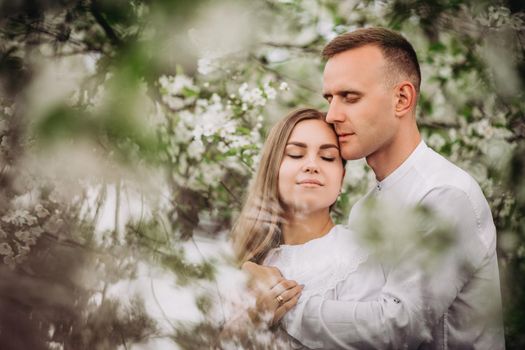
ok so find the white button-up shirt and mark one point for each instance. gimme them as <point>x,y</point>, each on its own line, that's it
<point>454,305</point>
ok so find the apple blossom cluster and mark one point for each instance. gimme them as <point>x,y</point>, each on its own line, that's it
<point>212,133</point>
<point>22,225</point>
<point>498,16</point>
<point>462,117</point>
<point>177,91</point>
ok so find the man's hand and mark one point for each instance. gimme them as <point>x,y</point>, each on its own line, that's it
<point>274,294</point>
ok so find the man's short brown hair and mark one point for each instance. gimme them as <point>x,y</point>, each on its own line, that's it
<point>397,51</point>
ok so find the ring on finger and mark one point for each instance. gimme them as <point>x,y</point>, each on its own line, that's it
<point>280,299</point>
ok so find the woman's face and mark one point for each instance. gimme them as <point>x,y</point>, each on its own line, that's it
<point>311,172</point>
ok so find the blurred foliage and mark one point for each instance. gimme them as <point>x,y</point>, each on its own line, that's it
<point>131,128</point>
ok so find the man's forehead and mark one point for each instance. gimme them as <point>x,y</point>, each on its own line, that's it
<point>365,52</point>
<point>353,65</point>
<point>366,56</point>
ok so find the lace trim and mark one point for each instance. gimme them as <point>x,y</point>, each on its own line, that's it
<point>331,278</point>
<point>321,267</point>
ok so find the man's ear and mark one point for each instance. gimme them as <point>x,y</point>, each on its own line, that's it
<point>405,98</point>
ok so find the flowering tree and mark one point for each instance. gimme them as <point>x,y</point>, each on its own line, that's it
<point>130,131</point>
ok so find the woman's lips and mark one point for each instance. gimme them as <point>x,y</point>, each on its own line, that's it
<point>310,183</point>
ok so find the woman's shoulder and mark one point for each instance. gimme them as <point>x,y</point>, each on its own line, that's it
<point>344,234</point>
<point>340,243</point>
<point>340,229</point>
<point>339,238</point>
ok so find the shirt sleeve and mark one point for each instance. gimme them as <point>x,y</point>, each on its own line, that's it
<point>419,287</point>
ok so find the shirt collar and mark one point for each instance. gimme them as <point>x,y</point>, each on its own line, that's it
<point>403,168</point>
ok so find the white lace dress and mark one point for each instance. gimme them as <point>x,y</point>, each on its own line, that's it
<point>334,267</point>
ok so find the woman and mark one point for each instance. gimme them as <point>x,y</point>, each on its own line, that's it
<point>286,223</point>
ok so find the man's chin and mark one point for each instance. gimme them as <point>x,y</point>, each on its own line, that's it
<point>350,155</point>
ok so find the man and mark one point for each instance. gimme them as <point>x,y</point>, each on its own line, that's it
<point>371,81</point>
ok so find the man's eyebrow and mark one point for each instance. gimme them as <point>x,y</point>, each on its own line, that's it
<point>303,145</point>
<point>343,93</point>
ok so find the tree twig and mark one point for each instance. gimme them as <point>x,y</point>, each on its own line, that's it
<point>112,35</point>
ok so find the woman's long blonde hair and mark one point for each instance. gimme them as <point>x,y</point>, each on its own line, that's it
<point>259,226</point>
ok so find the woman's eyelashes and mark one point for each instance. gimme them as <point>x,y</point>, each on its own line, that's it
<point>295,156</point>
<point>299,156</point>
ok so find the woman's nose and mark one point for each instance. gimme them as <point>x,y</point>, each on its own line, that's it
<point>311,166</point>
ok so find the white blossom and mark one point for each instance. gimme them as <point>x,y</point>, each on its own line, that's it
<point>19,217</point>
<point>176,84</point>
<point>221,147</point>
<point>5,249</point>
<point>8,111</point>
<point>436,141</point>
<point>205,66</point>
<point>253,97</point>
<point>325,28</point>
<point>41,212</point>
<point>284,86</point>
<point>484,128</point>
<point>195,149</point>
<point>173,90</point>
<point>25,237</point>
<point>270,92</point>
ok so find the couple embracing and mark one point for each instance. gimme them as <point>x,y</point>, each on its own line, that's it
<point>318,282</point>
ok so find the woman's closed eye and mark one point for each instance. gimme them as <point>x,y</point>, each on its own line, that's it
<point>328,155</point>
<point>327,158</point>
<point>294,155</point>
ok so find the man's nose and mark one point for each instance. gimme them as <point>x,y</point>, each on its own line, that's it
<point>335,113</point>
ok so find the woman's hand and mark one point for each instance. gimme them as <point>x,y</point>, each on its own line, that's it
<point>274,294</point>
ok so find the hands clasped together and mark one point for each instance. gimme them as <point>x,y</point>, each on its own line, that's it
<point>274,294</point>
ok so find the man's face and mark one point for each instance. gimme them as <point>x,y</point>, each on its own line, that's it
<point>361,101</point>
